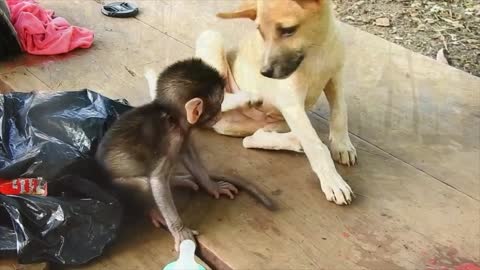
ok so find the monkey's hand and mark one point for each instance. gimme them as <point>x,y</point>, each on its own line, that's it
<point>223,188</point>
<point>183,234</point>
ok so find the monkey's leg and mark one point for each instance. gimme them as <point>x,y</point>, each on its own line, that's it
<point>184,181</point>
<point>160,186</point>
<point>137,190</point>
<point>192,162</point>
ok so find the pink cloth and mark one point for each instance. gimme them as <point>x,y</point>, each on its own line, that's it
<point>41,33</point>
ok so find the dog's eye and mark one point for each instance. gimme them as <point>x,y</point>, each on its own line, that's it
<point>287,31</point>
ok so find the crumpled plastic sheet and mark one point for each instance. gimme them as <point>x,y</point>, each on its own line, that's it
<point>54,136</point>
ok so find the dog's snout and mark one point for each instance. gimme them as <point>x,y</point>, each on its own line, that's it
<point>283,65</point>
<point>267,71</point>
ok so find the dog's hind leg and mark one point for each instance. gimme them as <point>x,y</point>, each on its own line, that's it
<point>279,126</point>
<point>271,140</point>
<point>341,147</point>
<point>235,124</point>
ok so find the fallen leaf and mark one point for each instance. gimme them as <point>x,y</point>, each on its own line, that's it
<point>359,3</point>
<point>441,57</point>
<point>385,22</point>
<point>454,23</point>
<point>436,9</point>
<point>421,27</point>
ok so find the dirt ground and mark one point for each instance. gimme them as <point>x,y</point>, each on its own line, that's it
<point>423,26</point>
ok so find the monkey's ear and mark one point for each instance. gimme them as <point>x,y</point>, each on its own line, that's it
<point>194,108</point>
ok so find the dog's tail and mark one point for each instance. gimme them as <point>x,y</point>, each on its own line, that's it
<point>151,77</point>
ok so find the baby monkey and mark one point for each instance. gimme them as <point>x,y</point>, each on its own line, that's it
<point>141,150</point>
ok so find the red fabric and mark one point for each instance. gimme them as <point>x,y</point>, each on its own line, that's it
<point>41,33</point>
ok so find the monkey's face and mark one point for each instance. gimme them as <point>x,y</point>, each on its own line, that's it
<point>212,114</point>
<point>212,121</point>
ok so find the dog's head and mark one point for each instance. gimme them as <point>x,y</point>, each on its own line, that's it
<point>288,29</point>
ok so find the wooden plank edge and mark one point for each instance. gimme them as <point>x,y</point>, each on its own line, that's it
<point>211,259</point>
<point>5,87</point>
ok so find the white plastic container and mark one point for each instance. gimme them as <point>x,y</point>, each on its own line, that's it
<point>186,258</point>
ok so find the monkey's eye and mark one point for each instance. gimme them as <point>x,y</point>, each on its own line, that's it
<point>287,31</point>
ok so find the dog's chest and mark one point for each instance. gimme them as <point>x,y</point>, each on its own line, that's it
<point>315,75</point>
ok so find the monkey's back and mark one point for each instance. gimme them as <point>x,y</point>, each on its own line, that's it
<point>136,141</point>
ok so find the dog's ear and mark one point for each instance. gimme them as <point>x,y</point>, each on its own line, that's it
<point>247,9</point>
<point>310,4</point>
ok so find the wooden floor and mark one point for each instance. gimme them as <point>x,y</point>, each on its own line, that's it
<point>415,123</point>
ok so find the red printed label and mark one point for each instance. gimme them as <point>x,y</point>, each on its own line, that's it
<point>33,186</point>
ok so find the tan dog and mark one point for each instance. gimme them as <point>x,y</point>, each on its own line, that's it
<point>282,69</point>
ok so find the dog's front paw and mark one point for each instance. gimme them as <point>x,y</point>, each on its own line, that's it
<point>343,151</point>
<point>336,189</point>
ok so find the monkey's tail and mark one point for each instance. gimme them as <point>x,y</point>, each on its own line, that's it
<point>151,77</point>
<point>250,188</point>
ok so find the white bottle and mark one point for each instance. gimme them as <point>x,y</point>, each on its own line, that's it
<point>186,259</point>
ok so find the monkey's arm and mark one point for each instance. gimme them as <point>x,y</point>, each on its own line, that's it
<point>194,165</point>
<point>160,185</point>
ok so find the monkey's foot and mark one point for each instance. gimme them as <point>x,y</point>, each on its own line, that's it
<point>156,217</point>
<point>183,234</point>
<point>224,188</point>
<point>185,181</point>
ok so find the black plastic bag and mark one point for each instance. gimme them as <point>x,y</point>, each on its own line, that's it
<point>54,136</point>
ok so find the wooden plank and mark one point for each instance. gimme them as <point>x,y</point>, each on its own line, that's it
<point>425,113</point>
<point>402,219</point>
<point>20,78</point>
<point>11,264</point>
<point>164,16</point>
<point>141,246</point>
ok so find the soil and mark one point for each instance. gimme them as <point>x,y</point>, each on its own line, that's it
<point>447,30</point>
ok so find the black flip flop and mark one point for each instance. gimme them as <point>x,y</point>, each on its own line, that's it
<point>120,10</point>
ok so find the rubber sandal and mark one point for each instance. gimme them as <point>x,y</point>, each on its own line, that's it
<point>120,10</point>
